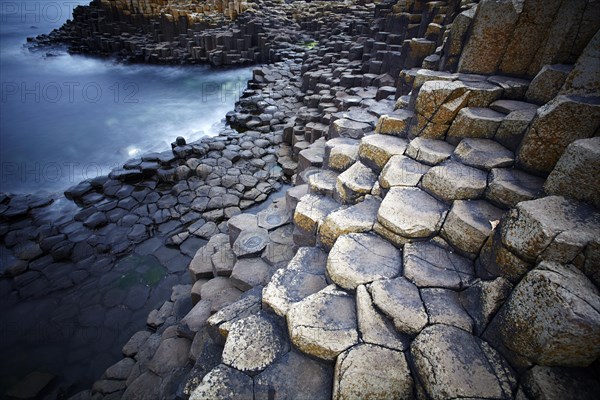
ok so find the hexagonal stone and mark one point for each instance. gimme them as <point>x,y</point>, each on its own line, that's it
<point>444,307</point>
<point>580,160</point>
<point>411,212</point>
<point>223,319</point>
<point>255,342</point>
<point>429,151</point>
<point>250,272</point>
<point>194,320</point>
<point>359,258</point>
<point>292,374</point>
<point>201,265</point>
<point>341,156</point>
<point>311,210</point>
<point>283,235</point>
<point>553,226</point>
<point>429,265</point>
<point>272,218</point>
<point>221,382</point>
<point>304,276</point>
<point>455,181</point>
<point>376,150</point>
<point>400,300</point>
<point>323,182</point>
<point>474,122</point>
<point>469,223</point>
<point>395,124</point>
<point>355,182</point>
<point>293,196</point>
<point>512,129</point>
<point>223,260</point>
<point>464,367</point>
<point>172,353</point>
<point>220,292</point>
<point>402,171</point>
<point>324,324</point>
<point>238,223</point>
<point>507,187</point>
<point>552,317</point>
<point>251,242</point>
<point>483,153</point>
<point>483,299</point>
<point>278,254</point>
<point>367,371</point>
<point>347,128</point>
<point>357,218</point>
<point>374,327</point>
<point>311,157</point>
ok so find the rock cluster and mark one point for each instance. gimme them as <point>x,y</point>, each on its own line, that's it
<point>440,239</point>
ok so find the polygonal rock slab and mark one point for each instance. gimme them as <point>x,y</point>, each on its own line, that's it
<point>251,242</point>
<point>304,276</point>
<point>532,226</point>
<point>483,299</point>
<point>223,319</point>
<point>347,128</point>
<point>400,300</point>
<point>444,307</point>
<point>411,212</point>
<point>238,223</point>
<point>429,151</point>
<point>220,292</point>
<point>292,374</point>
<point>311,210</point>
<point>323,182</point>
<point>272,218</point>
<point>452,363</point>
<point>172,353</point>
<point>552,318</point>
<point>455,181</point>
<point>367,371</point>
<point>579,162</point>
<point>396,124</point>
<point>254,343</point>
<point>469,223</point>
<point>474,122</point>
<point>508,186</point>
<point>374,327</point>
<point>221,383</point>
<point>357,218</point>
<point>402,171</point>
<point>483,153</point>
<point>429,265</point>
<point>356,181</point>
<point>359,258</point>
<point>547,83</point>
<point>342,156</point>
<point>376,150</point>
<point>556,125</point>
<point>324,324</point>
<point>250,272</point>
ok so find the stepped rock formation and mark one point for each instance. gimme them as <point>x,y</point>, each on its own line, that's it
<point>442,236</point>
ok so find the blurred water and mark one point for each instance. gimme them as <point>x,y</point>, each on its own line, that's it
<point>66,118</point>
